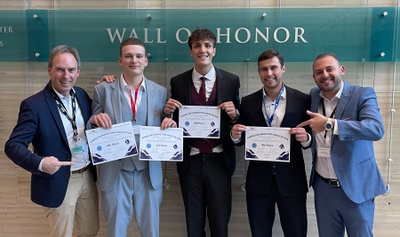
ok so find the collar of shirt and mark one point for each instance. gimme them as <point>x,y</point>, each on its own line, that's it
<point>127,90</point>
<point>337,96</point>
<point>66,101</point>
<point>279,113</point>
<point>330,105</point>
<point>124,85</point>
<point>268,99</point>
<point>62,96</point>
<point>210,76</point>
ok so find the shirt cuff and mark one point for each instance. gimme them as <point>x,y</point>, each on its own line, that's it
<point>308,142</point>
<point>235,140</point>
<point>40,168</point>
<point>235,119</point>
<point>335,128</point>
<point>166,115</point>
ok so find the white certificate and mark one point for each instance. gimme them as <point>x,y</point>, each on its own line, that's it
<point>267,144</point>
<point>107,145</point>
<point>200,121</point>
<point>161,145</point>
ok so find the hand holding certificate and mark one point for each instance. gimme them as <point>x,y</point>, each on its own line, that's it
<point>200,121</point>
<point>161,145</point>
<point>267,144</point>
<point>111,144</point>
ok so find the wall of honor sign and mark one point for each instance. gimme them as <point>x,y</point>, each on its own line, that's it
<point>362,34</point>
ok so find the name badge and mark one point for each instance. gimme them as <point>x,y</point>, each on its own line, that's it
<point>324,152</point>
<point>77,150</point>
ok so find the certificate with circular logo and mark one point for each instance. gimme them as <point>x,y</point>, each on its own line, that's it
<point>267,144</point>
<point>161,145</point>
<point>200,121</point>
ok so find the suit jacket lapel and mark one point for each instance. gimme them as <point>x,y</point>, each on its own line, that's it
<point>221,83</point>
<point>85,109</point>
<point>187,85</point>
<point>344,99</point>
<point>115,99</point>
<point>258,109</point>
<point>315,99</point>
<point>54,111</point>
<point>291,106</point>
<point>150,102</point>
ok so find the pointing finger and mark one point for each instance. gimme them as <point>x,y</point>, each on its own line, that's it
<point>305,123</point>
<point>311,114</point>
<point>65,163</point>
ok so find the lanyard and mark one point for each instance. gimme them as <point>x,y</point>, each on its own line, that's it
<point>323,109</point>
<point>278,98</point>
<point>133,102</point>
<point>65,112</point>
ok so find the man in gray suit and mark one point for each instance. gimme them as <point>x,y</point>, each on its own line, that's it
<point>130,185</point>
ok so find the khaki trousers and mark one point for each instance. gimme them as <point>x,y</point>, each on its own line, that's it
<point>80,205</point>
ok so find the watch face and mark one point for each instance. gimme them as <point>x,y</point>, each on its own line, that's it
<point>328,126</point>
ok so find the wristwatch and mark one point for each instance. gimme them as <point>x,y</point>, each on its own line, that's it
<point>328,125</point>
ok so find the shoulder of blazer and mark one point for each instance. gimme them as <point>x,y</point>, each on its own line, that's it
<point>183,75</point>
<point>224,74</point>
<point>154,85</point>
<point>296,92</point>
<point>257,95</point>
<point>81,92</point>
<point>108,86</point>
<point>47,91</point>
<point>315,92</point>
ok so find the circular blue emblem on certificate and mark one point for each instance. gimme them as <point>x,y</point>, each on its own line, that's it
<point>187,123</point>
<point>148,145</point>
<point>99,148</point>
<point>254,145</point>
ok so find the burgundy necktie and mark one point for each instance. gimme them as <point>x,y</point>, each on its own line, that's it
<point>204,145</point>
<point>202,91</point>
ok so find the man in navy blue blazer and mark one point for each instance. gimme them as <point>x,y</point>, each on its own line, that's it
<point>271,184</point>
<point>53,121</point>
<point>345,120</point>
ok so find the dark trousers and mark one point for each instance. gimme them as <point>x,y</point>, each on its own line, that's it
<point>292,213</point>
<point>206,191</point>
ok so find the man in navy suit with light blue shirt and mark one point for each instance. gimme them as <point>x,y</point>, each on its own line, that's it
<point>345,120</point>
<point>276,184</point>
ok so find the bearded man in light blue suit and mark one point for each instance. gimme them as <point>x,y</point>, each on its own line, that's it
<point>345,120</point>
<point>130,185</point>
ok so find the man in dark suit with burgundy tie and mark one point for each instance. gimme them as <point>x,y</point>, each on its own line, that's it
<point>208,164</point>
<point>270,184</point>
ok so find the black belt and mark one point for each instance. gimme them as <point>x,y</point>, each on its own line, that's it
<point>80,170</point>
<point>334,183</point>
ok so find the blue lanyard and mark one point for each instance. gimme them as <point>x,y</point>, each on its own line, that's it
<point>278,98</point>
